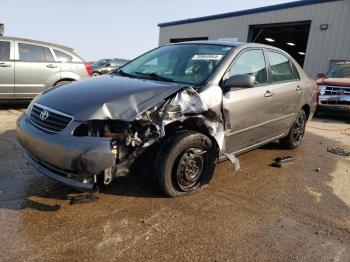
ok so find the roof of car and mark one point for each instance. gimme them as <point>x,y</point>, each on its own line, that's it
<point>229,43</point>
<point>35,42</point>
<point>212,42</point>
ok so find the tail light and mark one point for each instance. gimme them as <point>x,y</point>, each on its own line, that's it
<point>88,68</point>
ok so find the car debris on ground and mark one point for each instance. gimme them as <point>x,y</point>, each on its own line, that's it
<point>83,198</point>
<point>338,151</point>
<point>279,161</point>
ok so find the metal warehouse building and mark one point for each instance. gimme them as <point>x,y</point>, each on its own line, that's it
<point>315,33</point>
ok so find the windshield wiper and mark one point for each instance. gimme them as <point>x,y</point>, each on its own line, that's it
<point>155,76</point>
<point>122,73</point>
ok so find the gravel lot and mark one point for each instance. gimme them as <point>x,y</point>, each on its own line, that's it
<point>293,213</point>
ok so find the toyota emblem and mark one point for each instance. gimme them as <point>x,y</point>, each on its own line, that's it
<point>44,115</point>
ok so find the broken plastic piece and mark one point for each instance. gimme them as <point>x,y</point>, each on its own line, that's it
<point>234,161</point>
<point>83,198</point>
<point>338,151</point>
<point>278,161</point>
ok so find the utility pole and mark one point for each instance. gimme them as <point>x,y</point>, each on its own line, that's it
<point>2,29</point>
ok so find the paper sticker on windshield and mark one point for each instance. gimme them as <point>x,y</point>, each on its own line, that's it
<point>207,57</point>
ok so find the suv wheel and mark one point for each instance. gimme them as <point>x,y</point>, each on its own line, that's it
<point>61,83</point>
<point>296,133</point>
<point>185,163</point>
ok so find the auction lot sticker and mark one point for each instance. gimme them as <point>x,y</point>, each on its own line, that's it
<point>207,57</point>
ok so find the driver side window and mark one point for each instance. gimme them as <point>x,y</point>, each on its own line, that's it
<point>251,62</point>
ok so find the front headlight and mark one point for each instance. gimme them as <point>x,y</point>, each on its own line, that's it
<point>322,90</point>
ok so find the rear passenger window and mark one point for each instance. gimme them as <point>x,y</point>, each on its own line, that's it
<point>281,68</point>
<point>63,57</point>
<point>4,51</point>
<point>31,53</point>
<point>252,63</point>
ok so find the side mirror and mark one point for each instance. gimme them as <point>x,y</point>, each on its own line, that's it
<point>108,65</point>
<point>320,75</point>
<point>245,81</point>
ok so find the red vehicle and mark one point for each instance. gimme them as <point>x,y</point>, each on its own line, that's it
<point>334,88</point>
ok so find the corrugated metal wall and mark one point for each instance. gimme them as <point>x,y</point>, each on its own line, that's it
<point>323,46</point>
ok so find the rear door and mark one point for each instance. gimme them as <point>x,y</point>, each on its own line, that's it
<point>287,89</point>
<point>247,111</point>
<point>7,67</point>
<point>36,69</point>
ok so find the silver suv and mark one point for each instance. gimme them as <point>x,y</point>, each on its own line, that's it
<point>27,67</point>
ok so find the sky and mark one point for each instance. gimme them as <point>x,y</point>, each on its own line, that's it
<point>107,28</point>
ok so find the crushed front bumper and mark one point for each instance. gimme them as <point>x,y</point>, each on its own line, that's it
<point>69,159</point>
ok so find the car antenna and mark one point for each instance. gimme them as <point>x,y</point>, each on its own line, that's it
<point>258,35</point>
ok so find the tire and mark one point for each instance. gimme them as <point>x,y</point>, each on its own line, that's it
<point>95,74</point>
<point>61,83</point>
<point>185,163</point>
<point>296,132</point>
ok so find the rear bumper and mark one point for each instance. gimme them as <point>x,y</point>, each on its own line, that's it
<point>63,155</point>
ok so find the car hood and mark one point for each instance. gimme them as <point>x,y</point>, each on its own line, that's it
<point>334,81</point>
<point>108,97</point>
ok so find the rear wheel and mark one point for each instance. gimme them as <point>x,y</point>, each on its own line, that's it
<point>296,133</point>
<point>61,83</point>
<point>185,163</point>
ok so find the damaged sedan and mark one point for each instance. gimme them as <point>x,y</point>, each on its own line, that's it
<point>188,104</point>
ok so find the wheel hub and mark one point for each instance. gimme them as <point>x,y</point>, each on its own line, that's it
<point>299,129</point>
<point>190,167</point>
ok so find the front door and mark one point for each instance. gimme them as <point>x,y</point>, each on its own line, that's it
<point>248,112</point>
<point>7,73</point>
<point>36,70</point>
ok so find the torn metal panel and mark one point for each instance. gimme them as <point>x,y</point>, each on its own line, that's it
<point>205,104</point>
<point>233,160</point>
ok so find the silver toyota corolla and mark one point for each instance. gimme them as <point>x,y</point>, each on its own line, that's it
<point>186,105</point>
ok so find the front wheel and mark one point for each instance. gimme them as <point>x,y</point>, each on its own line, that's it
<point>95,74</point>
<point>296,132</point>
<point>185,163</point>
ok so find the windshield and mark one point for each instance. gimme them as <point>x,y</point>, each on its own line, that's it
<point>184,63</point>
<point>339,71</point>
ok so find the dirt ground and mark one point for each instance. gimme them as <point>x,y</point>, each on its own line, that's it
<point>263,213</point>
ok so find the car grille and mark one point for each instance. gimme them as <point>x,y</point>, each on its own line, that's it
<point>337,90</point>
<point>47,119</point>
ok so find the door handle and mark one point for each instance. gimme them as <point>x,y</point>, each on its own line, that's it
<point>5,65</point>
<point>268,93</point>
<point>299,89</point>
<point>51,66</point>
